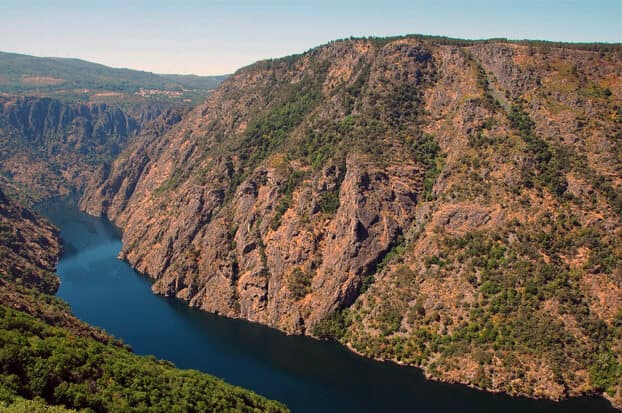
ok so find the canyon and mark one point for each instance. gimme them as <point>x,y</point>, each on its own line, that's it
<point>448,204</point>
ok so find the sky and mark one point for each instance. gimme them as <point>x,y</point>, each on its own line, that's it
<point>219,36</point>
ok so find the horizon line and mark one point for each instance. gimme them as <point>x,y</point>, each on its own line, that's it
<point>353,37</point>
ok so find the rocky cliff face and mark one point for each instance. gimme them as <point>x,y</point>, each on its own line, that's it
<point>29,247</point>
<point>50,147</point>
<point>453,205</point>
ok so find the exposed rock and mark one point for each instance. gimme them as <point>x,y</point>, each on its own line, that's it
<point>29,247</point>
<point>441,170</point>
<point>52,148</point>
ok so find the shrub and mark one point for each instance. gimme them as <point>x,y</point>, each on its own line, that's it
<point>299,283</point>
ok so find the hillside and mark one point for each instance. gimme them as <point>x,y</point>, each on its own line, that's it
<point>449,204</point>
<point>49,147</point>
<point>79,80</point>
<point>195,82</point>
<point>50,358</point>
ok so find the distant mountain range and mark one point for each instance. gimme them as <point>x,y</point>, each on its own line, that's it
<point>79,80</point>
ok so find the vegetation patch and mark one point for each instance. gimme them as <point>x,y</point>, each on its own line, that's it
<point>427,153</point>
<point>551,163</point>
<point>299,283</point>
<point>333,326</point>
<point>60,368</point>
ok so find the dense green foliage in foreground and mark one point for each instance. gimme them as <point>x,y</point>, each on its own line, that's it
<point>20,405</point>
<point>52,365</point>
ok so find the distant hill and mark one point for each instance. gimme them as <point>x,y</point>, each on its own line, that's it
<point>79,80</point>
<point>196,82</point>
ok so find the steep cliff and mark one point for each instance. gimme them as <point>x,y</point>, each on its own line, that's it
<point>29,247</point>
<point>450,204</point>
<point>49,147</point>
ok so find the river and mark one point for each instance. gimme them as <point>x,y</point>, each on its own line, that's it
<point>305,374</point>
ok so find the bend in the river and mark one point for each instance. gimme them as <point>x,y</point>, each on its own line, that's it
<point>306,374</point>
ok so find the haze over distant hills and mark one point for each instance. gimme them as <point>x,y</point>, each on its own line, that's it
<point>80,80</point>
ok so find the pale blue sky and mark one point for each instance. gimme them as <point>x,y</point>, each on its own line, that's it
<point>220,36</point>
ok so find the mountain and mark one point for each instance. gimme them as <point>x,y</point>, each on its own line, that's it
<point>196,82</point>
<point>79,80</point>
<point>50,147</point>
<point>454,205</point>
<point>49,359</point>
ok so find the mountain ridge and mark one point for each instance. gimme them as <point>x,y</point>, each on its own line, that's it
<point>81,80</point>
<point>51,148</point>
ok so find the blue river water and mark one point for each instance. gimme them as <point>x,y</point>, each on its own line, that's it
<point>305,374</point>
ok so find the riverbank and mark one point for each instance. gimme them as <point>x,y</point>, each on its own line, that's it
<point>306,374</point>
